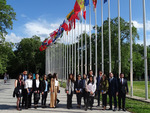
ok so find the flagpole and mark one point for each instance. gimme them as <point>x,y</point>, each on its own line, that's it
<point>81,48</point>
<point>109,36</point>
<point>65,57</point>
<point>95,43</point>
<point>119,48</point>
<point>102,36</point>
<point>85,48</point>
<point>70,53</point>
<point>72,50</point>
<point>75,53</point>
<point>90,34</point>
<point>78,50</point>
<point>46,61</point>
<point>131,60</point>
<point>145,51</point>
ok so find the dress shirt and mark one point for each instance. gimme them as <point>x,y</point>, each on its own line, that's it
<point>46,84</point>
<point>37,83</point>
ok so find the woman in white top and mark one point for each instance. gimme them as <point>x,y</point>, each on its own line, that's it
<point>28,86</point>
<point>91,88</point>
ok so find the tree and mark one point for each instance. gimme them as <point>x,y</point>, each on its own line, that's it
<point>28,57</point>
<point>125,46</point>
<point>7,15</point>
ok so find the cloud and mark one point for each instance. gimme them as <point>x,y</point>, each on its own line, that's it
<point>142,41</point>
<point>23,15</point>
<point>13,38</point>
<point>40,28</point>
<point>139,25</point>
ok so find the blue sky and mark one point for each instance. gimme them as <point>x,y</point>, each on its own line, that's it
<point>41,17</point>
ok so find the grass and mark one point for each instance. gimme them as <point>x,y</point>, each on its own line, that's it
<point>134,106</point>
<point>139,88</point>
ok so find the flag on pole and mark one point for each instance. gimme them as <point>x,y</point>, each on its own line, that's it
<point>84,13</point>
<point>105,1</point>
<point>86,2</point>
<point>94,3</point>
<point>79,5</point>
<point>65,25</point>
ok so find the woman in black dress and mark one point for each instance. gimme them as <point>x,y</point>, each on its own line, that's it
<point>18,90</point>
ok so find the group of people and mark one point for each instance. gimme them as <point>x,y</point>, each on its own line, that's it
<point>89,86</point>
<point>25,86</point>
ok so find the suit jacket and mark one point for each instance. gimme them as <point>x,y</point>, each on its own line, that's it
<point>34,85</point>
<point>113,86</point>
<point>98,79</point>
<point>123,87</point>
<point>79,86</point>
<point>43,86</point>
<point>70,87</point>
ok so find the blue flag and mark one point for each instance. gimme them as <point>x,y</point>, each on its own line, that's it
<point>86,2</point>
<point>105,1</point>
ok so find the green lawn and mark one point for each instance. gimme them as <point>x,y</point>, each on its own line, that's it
<point>139,88</point>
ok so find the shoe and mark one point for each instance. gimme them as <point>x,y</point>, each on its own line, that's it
<point>91,108</point>
<point>119,109</point>
<point>58,101</point>
<point>85,109</point>
<point>114,109</point>
<point>124,109</point>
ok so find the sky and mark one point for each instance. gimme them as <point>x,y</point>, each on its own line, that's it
<point>41,17</point>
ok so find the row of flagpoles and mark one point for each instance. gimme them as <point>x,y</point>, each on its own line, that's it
<point>70,24</point>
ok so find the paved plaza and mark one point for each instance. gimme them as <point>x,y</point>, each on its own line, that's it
<point>8,103</point>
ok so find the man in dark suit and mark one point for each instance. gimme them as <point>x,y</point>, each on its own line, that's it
<point>44,90</point>
<point>123,90</point>
<point>36,90</point>
<point>98,86</point>
<point>113,91</point>
<point>78,90</point>
<point>24,91</point>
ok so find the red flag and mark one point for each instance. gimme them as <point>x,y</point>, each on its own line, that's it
<point>84,13</point>
<point>94,3</point>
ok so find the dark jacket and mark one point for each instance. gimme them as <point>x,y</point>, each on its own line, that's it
<point>98,79</point>
<point>43,86</point>
<point>34,85</point>
<point>113,86</point>
<point>78,86</point>
<point>123,87</point>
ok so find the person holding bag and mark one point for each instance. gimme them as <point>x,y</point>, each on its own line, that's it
<point>36,90</point>
<point>18,90</point>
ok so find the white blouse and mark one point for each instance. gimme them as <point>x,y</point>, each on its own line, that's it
<point>28,83</point>
<point>56,83</point>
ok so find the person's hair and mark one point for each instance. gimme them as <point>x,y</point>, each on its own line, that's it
<point>70,78</point>
<point>105,76</point>
<point>92,79</point>
<point>85,75</point>
<point>55,76</point>
<point>30,74</point>
<point>121,73</point>
<point>44,75</point>
<point>18,77</point>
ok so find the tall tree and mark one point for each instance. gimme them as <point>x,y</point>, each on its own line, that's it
<point>7,15</point>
